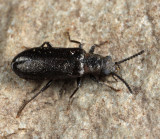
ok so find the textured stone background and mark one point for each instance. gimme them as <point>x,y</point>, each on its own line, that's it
<point>97,112</point>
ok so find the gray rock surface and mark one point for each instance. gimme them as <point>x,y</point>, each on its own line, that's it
<point>97,111</point>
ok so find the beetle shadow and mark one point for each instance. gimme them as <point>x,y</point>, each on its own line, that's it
<point>67,87</point>
<point>6,74</point>
<point>59,87</point>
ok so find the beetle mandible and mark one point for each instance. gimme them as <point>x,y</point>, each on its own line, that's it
<point>47,62</point>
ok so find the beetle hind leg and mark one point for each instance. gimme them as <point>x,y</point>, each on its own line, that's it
<point>26,102</point>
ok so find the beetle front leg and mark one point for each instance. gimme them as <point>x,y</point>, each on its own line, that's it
<point>103,83</point>
<point>91,51</point>
<point>78,86</point>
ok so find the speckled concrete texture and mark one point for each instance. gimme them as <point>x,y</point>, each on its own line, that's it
<point>97,112</point>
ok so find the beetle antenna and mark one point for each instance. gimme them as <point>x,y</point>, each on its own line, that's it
<point>126,59</point>
<point>127,85</point>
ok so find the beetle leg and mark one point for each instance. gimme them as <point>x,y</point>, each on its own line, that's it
<point>114,78</point>
<point>81,45</point>
<point>46,43</point>
<point>74,41</point>
<point>78,86</point>
<point>26,102</point>
<point>102,83</point>
<point>91,51</point>
<point>93,78</point>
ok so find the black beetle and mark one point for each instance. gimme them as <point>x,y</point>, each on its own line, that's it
<point>47,62</point>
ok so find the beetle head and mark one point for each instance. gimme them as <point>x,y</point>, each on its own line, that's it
<point>113,68</point>
<point>109,66</point>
